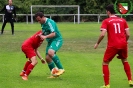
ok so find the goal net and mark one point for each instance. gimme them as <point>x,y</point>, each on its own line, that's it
<point>62,11</point>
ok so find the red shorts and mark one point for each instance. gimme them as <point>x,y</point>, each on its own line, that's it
<point>111,52</point>
<point>28,51</point>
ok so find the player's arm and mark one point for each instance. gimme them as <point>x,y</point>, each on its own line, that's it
<point>127,33</point>
<point>39,56</point>
<point>14,11</point>
<point>51,35</point>
<point>102,34</point>
<point>52,30</point>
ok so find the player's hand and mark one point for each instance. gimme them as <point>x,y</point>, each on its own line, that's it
<point>38,35</point>
<point>95,46</point>
<point>43,61</point>
<point>42,36</point>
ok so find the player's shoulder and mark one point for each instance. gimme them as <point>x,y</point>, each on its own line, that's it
<point>120,19</point>
<point>105,20</point>
<point>111,19</point>
<point>123,19</point>
<point>49,20</point>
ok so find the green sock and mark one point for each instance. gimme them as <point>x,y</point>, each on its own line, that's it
<point>51,65</point>
<point>57,61</point>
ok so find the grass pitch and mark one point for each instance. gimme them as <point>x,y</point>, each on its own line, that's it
<point>82,63</point>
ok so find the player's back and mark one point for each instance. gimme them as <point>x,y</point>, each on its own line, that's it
<point>35,41</point>
<point>116,32</point>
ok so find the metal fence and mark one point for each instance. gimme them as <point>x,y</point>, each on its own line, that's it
<point>75,16</point>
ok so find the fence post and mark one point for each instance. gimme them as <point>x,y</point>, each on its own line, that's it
<point>27,18</point>
<point>74,19</point>
<point>98,18</point>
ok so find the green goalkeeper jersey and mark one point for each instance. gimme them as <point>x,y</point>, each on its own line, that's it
<point>50,26</point>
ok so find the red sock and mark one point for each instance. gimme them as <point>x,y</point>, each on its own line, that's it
<point>106,74</point>
<point>29,69</point>
<point>127,70</point>
<point>26,65</point>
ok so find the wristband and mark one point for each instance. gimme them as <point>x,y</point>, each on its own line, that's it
<point>41,58</point>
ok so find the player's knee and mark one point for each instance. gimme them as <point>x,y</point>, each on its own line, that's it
<point>124,60</point>
<point>51,53</point>
<point>48,59</point>
<point>105,62</point>
<point>34,62</point>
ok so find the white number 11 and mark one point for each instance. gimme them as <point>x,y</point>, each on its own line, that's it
<point>117,27</point>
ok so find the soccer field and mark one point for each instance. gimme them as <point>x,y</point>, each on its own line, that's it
<point>82,63</point>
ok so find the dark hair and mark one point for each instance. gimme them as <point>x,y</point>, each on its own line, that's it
<point>110,8</point>
<point>40,14</point>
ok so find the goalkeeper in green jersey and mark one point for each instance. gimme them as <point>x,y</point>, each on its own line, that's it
<point>55,41</point>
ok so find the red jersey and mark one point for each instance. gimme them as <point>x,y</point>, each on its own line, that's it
<point>35,41</point>
<point>115,27</point>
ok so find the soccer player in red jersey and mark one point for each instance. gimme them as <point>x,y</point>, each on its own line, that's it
<point>30,49</point>
<point>118,34</point>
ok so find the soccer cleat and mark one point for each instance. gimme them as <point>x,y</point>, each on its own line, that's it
<point>52,77</point>
<point>60,72</point>
<point>107,86</point>
<point>22,74</point>
<point>130,83</point>
<point>25,77</point>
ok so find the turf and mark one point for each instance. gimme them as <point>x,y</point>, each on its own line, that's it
<point>82,63</point>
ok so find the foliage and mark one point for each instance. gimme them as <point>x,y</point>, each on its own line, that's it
<point>86,6</point>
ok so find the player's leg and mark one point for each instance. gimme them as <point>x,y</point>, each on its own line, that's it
<point>50,62</point>
<point>30,68</point>
<point>123,56</point>
<point>106,73</point>
<point>57,62</point>
<point>32,65</point>
<point>51,65</point>
<point>108,56</point>
<point>26,51</point>
<point>28,62</point>
<point>54,47</point>
<point>3,26</point>
<point>127,71</point>
<point>51,59</point>
<point>30,53</point>
<point>12,25</point>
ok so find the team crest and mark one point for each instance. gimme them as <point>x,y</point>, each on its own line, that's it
<point>123,7</point>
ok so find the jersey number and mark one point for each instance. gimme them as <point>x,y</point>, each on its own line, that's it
<point>117,27</point>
